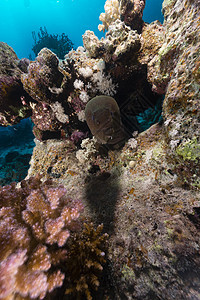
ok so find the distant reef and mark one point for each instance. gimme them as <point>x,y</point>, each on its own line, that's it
<point>145,191</point>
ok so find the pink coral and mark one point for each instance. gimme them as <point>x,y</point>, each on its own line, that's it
<point>32,218</point>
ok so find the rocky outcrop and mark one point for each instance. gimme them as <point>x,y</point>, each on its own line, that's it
<point>12,93</point>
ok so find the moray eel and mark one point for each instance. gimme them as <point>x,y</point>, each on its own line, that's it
<point>103,119</point>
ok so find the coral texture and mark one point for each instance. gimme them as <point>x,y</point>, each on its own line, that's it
<point>45,81</point>
<point>131,13</point>
<point>59,91</point>
<point>147,193</point>
<point>35,223</point>
<point>111,14</point>
<point>11,90</point>
<point>152,219</point>
<point>85,260</point>
<point>180,57</point>
<point>119,40</point>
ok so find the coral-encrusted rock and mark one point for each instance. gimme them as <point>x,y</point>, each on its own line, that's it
<point>9,61</point>
<point>45,81</point>
<point>121,42</point>
<point>91,43</point>
<point>172,55</point>
<point>11,89</point>
<point>131,13</point>
<point>152,39</point>
<point>44,118</point>
<point>110,15</point>
<point>152,220</point>
<point>180,60</point>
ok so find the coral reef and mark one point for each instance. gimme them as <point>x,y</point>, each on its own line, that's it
<point>152,38</point>
<point>111,14</point>
<point>146,194</point>
<point>85,259</point>
<point>11,89</point>
<point>34,219</point>
<point>119,42</point>
<point>46,83</point>
<point>156,240</point>
<point>152,219</point>
<point>181,110</point>
<point>131,13</point>
<point>59,91</point>
<point>59,44</point>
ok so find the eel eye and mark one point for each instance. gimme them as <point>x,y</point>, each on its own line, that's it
<point>92,117</point>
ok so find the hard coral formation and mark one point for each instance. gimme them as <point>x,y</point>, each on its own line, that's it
<point>119,40</point>
<point>179,57</point>
<point>11,90</point>
<point>111,14</point>
<point>46,83</point>
<point>152,39</point>
<point>105,66</point>
<point>85,261</point>
<point>131,13</point>
<point>35,223</point>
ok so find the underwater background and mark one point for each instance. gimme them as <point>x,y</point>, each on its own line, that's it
<point>73,17</point>
<point>22,20</point>
<point>100,150</point>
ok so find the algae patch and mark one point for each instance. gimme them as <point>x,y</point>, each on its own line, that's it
<point>190,150</point>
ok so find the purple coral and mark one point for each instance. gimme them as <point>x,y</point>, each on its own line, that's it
<point>78,136</point>
<point>32,218</point>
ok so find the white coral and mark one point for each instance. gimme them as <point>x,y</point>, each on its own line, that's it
<point>84,96</point>
<point>174,143</point>
<point>132,143</point>
<point>81,115</point>
<point>78,84</point>
<point>88,150</point>
<point>104,83</point>
<point>59,112</point>
<point>111,14</point>
<point>85,72</point>
<point>101,65</point>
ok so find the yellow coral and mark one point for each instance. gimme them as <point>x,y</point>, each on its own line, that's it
<point>85,259</point>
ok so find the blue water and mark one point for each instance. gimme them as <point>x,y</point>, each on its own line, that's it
<point>16,147</point>
<point>73,17</point>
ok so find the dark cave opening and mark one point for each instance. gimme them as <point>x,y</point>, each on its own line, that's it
<point>140,107</point>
